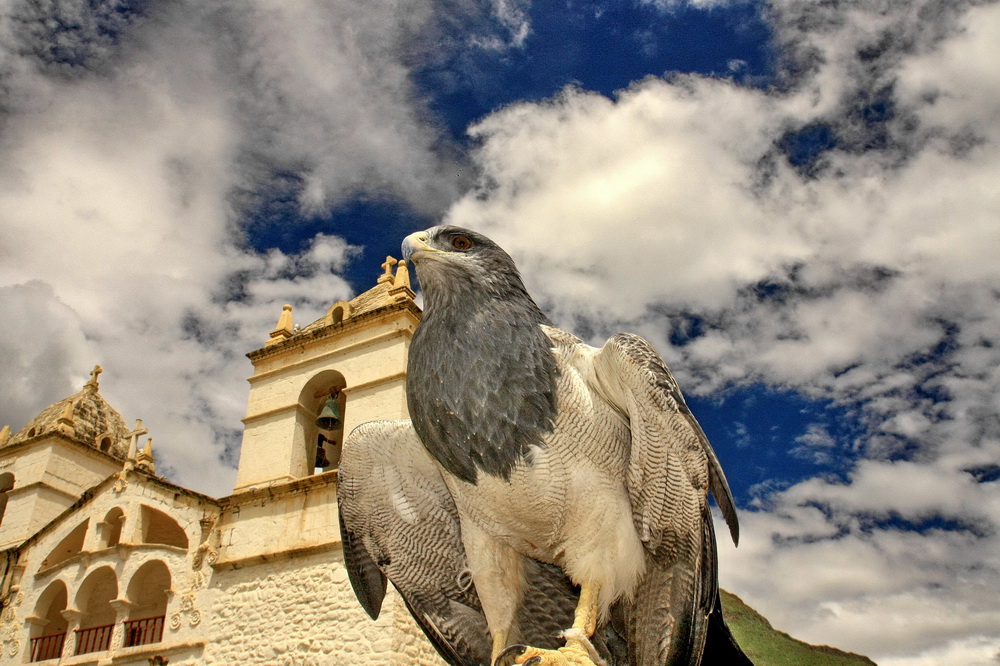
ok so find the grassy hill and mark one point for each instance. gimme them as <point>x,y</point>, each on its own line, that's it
<point>767,646</point>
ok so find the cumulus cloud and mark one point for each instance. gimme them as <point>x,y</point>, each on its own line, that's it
<point>863,274</point>
<point>44,352</point>
<point>132,134</point>
<point>323,90</point>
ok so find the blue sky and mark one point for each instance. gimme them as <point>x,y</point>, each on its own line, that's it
<point>796,202</point>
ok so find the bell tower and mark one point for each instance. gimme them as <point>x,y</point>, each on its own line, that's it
<point>311,386</point>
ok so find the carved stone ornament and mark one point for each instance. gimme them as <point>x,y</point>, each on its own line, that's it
<point>187,608</point>
<point>9,626</point>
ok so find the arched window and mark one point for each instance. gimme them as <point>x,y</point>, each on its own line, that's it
<point>71,545</point>
<point>48,633</point>
<point>158,527</point>
<point>338,312</point>
<point>148,592</point>
<point>6,485</point>
<point>321,443</point>
<point>111,528</point>
<point>97,619</point>
<point>105,444</point>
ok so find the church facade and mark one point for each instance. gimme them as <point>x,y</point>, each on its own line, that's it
<point>104,562</point>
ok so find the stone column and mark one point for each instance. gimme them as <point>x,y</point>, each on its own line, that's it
<point>122,608</point>
<point>72,616</point>
<point>36,627</point>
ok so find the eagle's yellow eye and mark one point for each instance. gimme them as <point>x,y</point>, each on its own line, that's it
<point>461,243</point>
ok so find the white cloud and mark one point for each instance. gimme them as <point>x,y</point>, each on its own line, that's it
<point>322,89</point>
<point>118,233</point>
<point>44,353</point>
<point>871,282</point>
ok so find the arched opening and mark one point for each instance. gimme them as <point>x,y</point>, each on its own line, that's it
<point>97,615</point>
<point>48,631</point>
<point>148,591</point>
<point>321,443</point>
<point>72,544</point>
<point>111,528</point>
<point>105,444</point>
<point>338,312</point>
<point>158,527</point>
<point>6,485</point>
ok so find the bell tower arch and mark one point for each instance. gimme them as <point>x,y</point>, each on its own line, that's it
<point>323,408</point>
<point>351,362</point>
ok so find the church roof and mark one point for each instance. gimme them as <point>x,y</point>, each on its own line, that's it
<point>85,417</point>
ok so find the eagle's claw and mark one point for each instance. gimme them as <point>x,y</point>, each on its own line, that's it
<point>509,655</point>
<point>522,655</point>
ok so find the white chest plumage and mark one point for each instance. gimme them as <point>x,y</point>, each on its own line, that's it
<point>567,503</point>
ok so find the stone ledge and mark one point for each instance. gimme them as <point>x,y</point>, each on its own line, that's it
<point>256,493</point>
<point>292,553</point>
<point>358,322</point>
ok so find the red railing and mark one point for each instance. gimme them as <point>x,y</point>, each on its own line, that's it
<point>47,647</point>
<point>93,639</point>
<point>144,632</point>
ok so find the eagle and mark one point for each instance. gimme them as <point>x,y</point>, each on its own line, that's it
<point>547,501</point>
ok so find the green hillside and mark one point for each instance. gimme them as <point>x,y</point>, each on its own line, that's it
<point>768,647</point>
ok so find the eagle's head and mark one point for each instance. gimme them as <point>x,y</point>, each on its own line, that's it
<point>451,259</point>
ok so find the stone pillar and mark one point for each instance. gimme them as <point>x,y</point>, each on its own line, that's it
<point>132,525</point>
<point>72,616</point>
<point>35,627</point>
<point>122,608</point>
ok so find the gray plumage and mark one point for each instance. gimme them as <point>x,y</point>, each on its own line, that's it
<point>481,376</point>
<point>398,522</point>
<point>545,465</point>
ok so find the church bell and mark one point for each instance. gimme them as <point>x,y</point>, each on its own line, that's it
<point>329,418</point>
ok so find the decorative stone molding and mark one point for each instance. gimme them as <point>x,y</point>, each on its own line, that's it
<point>285,329</point>
<point>206,552</point>
<point>187,608</point>
<point>72,616</point>
<point>9,625</point>
<point>121,606</point>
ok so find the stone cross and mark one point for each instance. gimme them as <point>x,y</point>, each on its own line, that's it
<point>137,432</point>
<point>387,267</point>
<point>94,374</point>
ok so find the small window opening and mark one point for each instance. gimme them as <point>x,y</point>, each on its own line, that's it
<point>158,527</point>
<point>111,528</point>
<point>71,545</point>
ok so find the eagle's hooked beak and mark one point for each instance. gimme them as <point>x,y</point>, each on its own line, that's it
<point>415,246</point>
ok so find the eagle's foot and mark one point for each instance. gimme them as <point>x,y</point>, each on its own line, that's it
<point>571,655</point>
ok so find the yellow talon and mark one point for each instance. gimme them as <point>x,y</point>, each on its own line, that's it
<point>571,655</point>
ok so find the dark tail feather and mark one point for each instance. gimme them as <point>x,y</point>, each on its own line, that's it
<point>721,649</point>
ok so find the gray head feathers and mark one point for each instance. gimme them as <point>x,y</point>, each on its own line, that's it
<point>481,375</point>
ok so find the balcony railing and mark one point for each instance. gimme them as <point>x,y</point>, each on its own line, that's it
<point>93,639</point>
<point>47,647</point>
<point>144,632</point>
